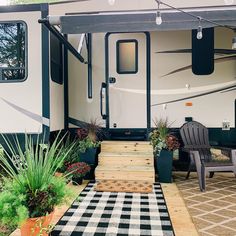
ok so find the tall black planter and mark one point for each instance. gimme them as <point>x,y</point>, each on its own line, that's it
<point>164,166</point>
<point>89,157</point>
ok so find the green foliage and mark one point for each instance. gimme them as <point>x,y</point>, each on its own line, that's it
<point>73,154</point>
<point>32,190</point>
<point>12,203</point>
<point>87,143</point>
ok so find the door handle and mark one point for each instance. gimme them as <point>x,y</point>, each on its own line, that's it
<point>102,96</point>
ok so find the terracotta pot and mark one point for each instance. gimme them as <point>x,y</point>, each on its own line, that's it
<point>58,174</point>
<point>31,227</point>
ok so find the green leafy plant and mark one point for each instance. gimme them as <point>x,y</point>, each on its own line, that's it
<point>87,143</point>
<point>160,137</point>
<point>32,189</point>
<point>73,154</point>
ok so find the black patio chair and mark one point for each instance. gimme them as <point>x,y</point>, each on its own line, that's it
<point>196,143</point>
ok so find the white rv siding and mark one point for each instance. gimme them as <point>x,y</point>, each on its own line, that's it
<point>26,95</point>
<point>56,106</point>
<point>210,109</point>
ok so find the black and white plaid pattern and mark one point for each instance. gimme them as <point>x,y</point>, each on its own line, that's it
<point>116,214</point>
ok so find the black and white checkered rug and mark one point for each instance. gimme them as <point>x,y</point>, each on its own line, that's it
<point>116,214</point>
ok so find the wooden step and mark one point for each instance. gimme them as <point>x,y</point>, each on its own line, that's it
<point>132,160</point>
<point>126,146</point>
<point>124,186</point>
<point>124,172</point>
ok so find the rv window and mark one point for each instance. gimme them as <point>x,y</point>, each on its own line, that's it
<point>127,56</point>
<point>12,51</point>
<point>56,60</point>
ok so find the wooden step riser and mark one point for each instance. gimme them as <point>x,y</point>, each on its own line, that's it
<point>130,161</point>
<point>126,148</point>
<point>125,175</point>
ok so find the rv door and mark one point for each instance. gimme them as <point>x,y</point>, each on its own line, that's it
<point>127,80</point>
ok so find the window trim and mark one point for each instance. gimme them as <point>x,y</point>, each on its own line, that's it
<point>26,52</point>
<point>118,55</point>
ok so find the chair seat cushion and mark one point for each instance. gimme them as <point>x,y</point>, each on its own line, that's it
<point>217,156</point>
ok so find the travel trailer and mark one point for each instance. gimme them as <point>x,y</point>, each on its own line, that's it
<point>74,61</point>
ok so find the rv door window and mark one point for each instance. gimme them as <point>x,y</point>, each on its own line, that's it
<point>12,51</point>
<point>127,56</point>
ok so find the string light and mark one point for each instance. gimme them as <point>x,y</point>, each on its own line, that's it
<point>111,2</point>
<point>200,19</point>
<point>158,15</point>
<point>199,30</point>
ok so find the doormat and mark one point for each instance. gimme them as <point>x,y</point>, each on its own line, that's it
<point>124,186</point>
<point>118,214</point>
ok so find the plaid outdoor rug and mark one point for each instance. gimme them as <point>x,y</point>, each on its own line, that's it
<point>116,214</point>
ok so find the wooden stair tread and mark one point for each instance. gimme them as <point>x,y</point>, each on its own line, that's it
<point>124,168</point>
<point>126,142</point>
<point>128,154</point>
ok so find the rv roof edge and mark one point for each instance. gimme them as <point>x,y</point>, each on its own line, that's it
<point>54,20</point>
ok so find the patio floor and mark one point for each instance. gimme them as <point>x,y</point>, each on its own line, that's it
<point>214,211</point>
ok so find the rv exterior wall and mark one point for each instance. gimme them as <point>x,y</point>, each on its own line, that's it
<point>24,99</point>
<point>210,109</point>
<point>56,106</point>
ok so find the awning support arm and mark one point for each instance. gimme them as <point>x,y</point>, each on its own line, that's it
<point>62,39</point>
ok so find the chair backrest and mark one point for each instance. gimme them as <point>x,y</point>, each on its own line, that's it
<point>195,137</point>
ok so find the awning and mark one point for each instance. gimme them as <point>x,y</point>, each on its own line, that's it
<point>144,20</point>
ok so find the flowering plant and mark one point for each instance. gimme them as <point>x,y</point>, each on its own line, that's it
<point>78,169</point>
<point>161,139</point>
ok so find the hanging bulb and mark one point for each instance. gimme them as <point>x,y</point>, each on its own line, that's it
<point>234,43</point>
<point>111,2</point>
<point>158,18</point>
<point>229,2</point>
<point>199,32</point>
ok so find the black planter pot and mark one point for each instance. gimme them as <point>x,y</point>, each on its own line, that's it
<point>164,166</point>
<point>89,157</point>
<point>77,180</point>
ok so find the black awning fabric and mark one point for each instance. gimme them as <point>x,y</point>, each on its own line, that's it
<point>144,21</point>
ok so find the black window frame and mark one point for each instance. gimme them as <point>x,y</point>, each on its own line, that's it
<point>60,79</point>
<point>26,52</point>
<point>118,42</point>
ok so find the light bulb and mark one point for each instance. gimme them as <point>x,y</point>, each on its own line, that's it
<point>158,18</point>
<point>111,2</point>
<point>199,32</point>
<point>234,43</point>
<point>229,2</point>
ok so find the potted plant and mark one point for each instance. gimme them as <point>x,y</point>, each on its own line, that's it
<point>89,135</point>
<point>78,171</point>
<point>163,144</point>
<point>31,191</point>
